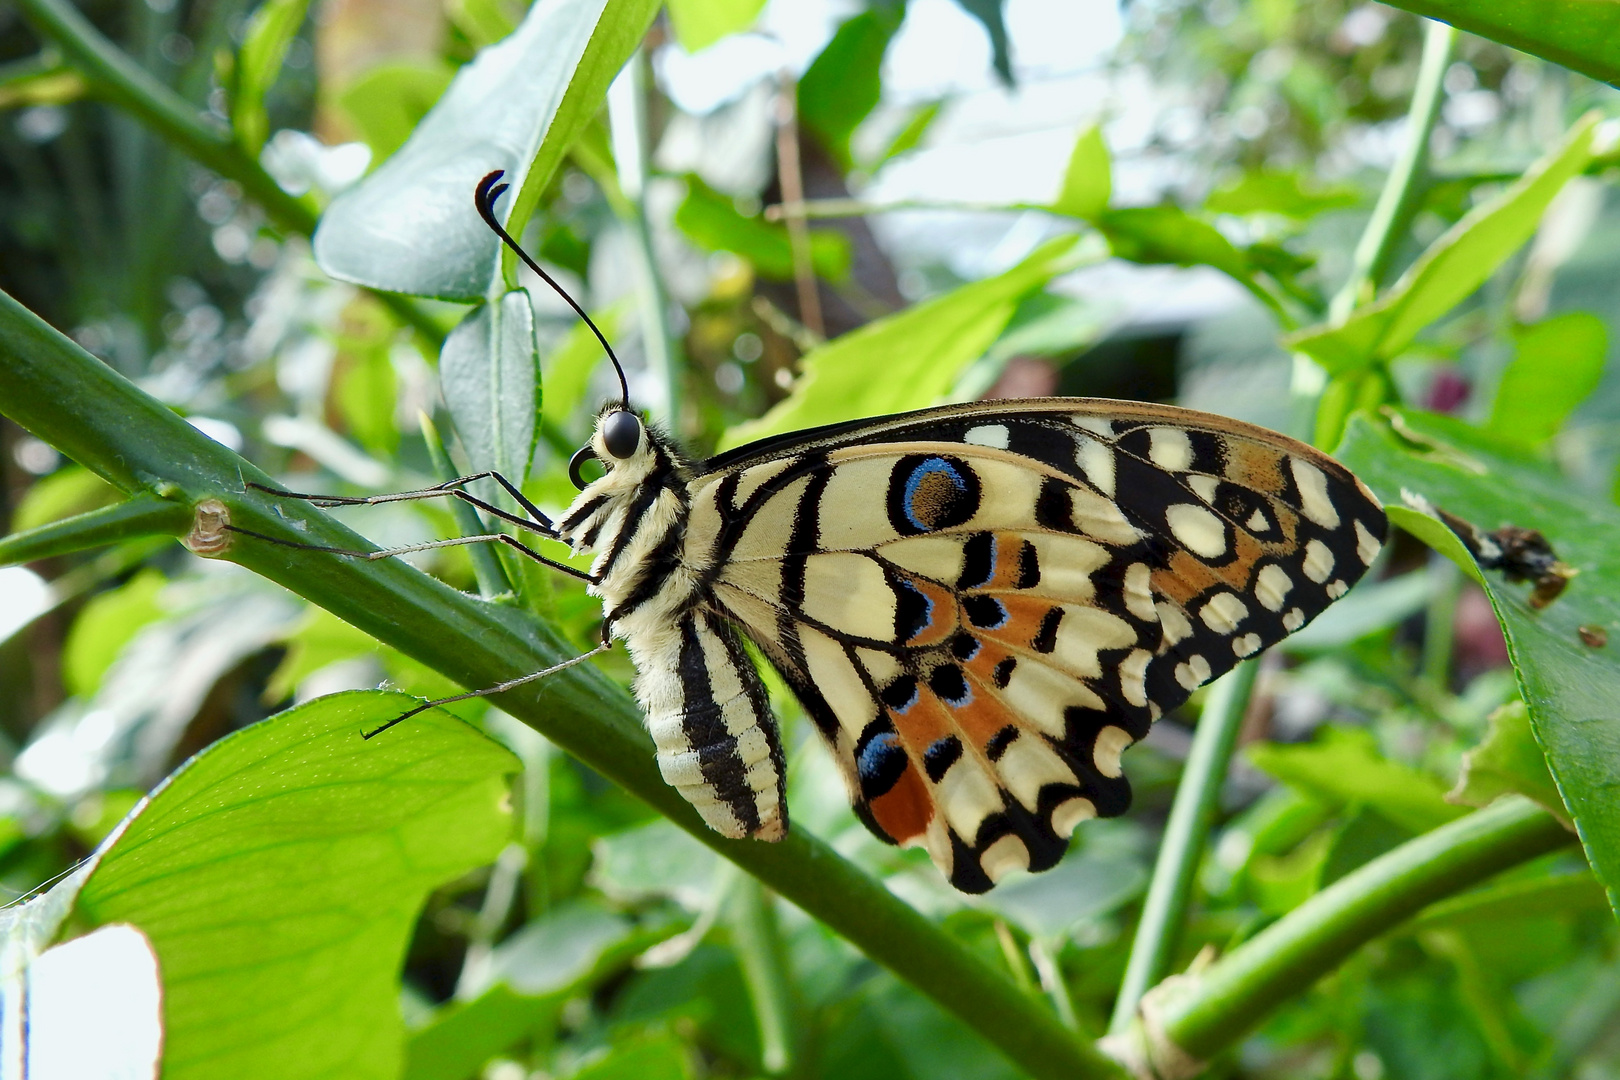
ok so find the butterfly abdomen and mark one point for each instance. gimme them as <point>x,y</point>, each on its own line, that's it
<point>711,722</point>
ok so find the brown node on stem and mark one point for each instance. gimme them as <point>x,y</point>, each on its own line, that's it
<point>210,533</point>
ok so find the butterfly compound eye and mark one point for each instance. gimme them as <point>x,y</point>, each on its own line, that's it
<point>621,434</point>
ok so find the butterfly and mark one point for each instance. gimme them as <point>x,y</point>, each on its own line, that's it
<point>979,606</point>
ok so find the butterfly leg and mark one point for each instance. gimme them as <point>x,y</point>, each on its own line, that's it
<point>459,541</point>
<point>540,523</point>
<point>496,689</point>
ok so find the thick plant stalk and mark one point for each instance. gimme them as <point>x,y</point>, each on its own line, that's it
<point>71,400</point>
<point>1164,912</point>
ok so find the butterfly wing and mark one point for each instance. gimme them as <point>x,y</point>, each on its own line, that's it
<point>981,606</point>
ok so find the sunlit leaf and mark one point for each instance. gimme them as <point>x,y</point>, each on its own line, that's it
<point>1344,765</point>
<point>1454,265</point>
<point>270,29</point>
<point>1570,686</point>
<point>712,222</point>
<point>387,102</point>
<point>1088,180</point>
<point>1557,365</point>
<point>1268,191</point>
<point>908,360</point>
<point>1576,33</point>
<point>278,875</point>
<point>700,23</point>
<point>105,625</point>
<point>411,226</point>
<point>841,86</point>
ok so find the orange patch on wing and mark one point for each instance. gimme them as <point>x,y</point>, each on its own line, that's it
<point>1024,617</point>
<point>944,619</point>
<point>1254,466</point>
<point>1009,549</point>
<point>904,811</point>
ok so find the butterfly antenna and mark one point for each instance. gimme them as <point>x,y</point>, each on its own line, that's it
<point>490,189</point>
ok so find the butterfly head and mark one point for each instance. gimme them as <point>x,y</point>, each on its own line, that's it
<point>621,443</point>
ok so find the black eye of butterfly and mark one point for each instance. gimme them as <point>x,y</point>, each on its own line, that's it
<point>621,434</point>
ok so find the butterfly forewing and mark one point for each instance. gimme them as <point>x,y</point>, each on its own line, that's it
<point>981,606</point>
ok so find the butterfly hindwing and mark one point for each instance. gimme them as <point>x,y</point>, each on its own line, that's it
<point>981,607</point>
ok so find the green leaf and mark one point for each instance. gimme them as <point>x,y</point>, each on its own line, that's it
<point>568,368</point>
<point>270,30</point>
<point>68,491</point>
<point>1557,365</point>
<point>1578,34</point>
<point>365,391</point>
<point>1087,182</point>
<point>106,624</point>
<point>1508,761</point>
<point>712,222</point>
<point>490,373</point>
<point>1343,765</point>
<point>990,14</point>
<point>906,360</point>
<point>387,102</point>
<point>911,133</point>
<point>700,23</point>
<point>411,226</point>
<point>1453,267</point>
<point>1167,234</point>
<point>648,1057</point>
<point>1572,689</point>
<point>278,875</point>
<point>1516,900</point>
<point>320,640</point>
<point>842,84</point>
<point>1269,191</point>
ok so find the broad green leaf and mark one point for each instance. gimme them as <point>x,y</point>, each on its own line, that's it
<point>490,374</point>
<point>990,14</point>
<point>1088,181</point>
<point>388,101</point>
<point>365,391</point>
<point>1453,267</point>
<point>278,875</point>
<point>69,490</point>
<point>105,625</point>
<point>700,23</point>
<point>484,21</point>
<point>270,30</point>
<point>907,360</point>
<point>842,85</point>
<point>1579,34</point>
<point>464,1035</point>
<point>1343,765</point>
<point>411,226</point>
<point>1043,325</point>
<point>1515,900</point>
<point>646,1057</point>
<point>1168,234</point>
<point>1267,191</point>
<point>1572,689</point>
<point>321,639</point>
<point>713,223</point>
<point>1508,761</point>
<point>1557,365</point>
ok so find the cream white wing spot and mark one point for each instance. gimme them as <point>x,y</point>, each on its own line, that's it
<point>1003,857</point>
<point>1028,765</point>
<point>1204,486</point>
<point>849,593</point>
<point>849,515</point>
<point>1097,425</point>
<point>1247,645</point>
<point>1193,672</point>
<point>831,673</point>
<point>1096,516</point>
<point>1067,563</point>
<point>966,796</point>
<point>1083,632</point>
<point>1258,522</point>
<point>1170,449</point>
<point>1197,529</point>
<point>1111,741</point>
<point>995,436</point>
<point>1337,589</point>
<point>1096,461</point>
<point>936,557</point>
<point>754,478</point>
<point>1318,561</point>
<point>1071,812</point>
<point>1367,545</point>
<point>1293,620</point>
<point>1133,677</point>
<point>1139,592</point>
<point>881,666</point>
<point>1313,493</point>
<point>769,530</point>
<point>1039,695</point>
<point>1174,620</point>
<point>1223,612</point>
<point>1271,586</point>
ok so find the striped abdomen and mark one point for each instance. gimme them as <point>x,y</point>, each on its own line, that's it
<point>709,716</point>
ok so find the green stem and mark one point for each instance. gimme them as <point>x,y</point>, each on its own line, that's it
<point>758,941</point>
<point>1439,622</point>
<point>1164,912</point>
<point>144,515</point>
<point>71,400</point>
<point>627,117</point>
<point>116,77</point>
<point>1214,1009</point>
<point>1403,188</point>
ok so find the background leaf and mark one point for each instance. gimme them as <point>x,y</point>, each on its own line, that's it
<point>518,106</point>
<point>842,85</point>
<point>1572,689</point>
<point>302,853</point>
<point>1508,761</point>
<point>490,373</point>
<point>700,23</point>
<point>1579,34</point>
<point>1556,366</point>
<point>1087,182</point>
<point>907,360</point>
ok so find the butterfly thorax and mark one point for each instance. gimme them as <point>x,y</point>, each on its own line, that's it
<point>705,706</point>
